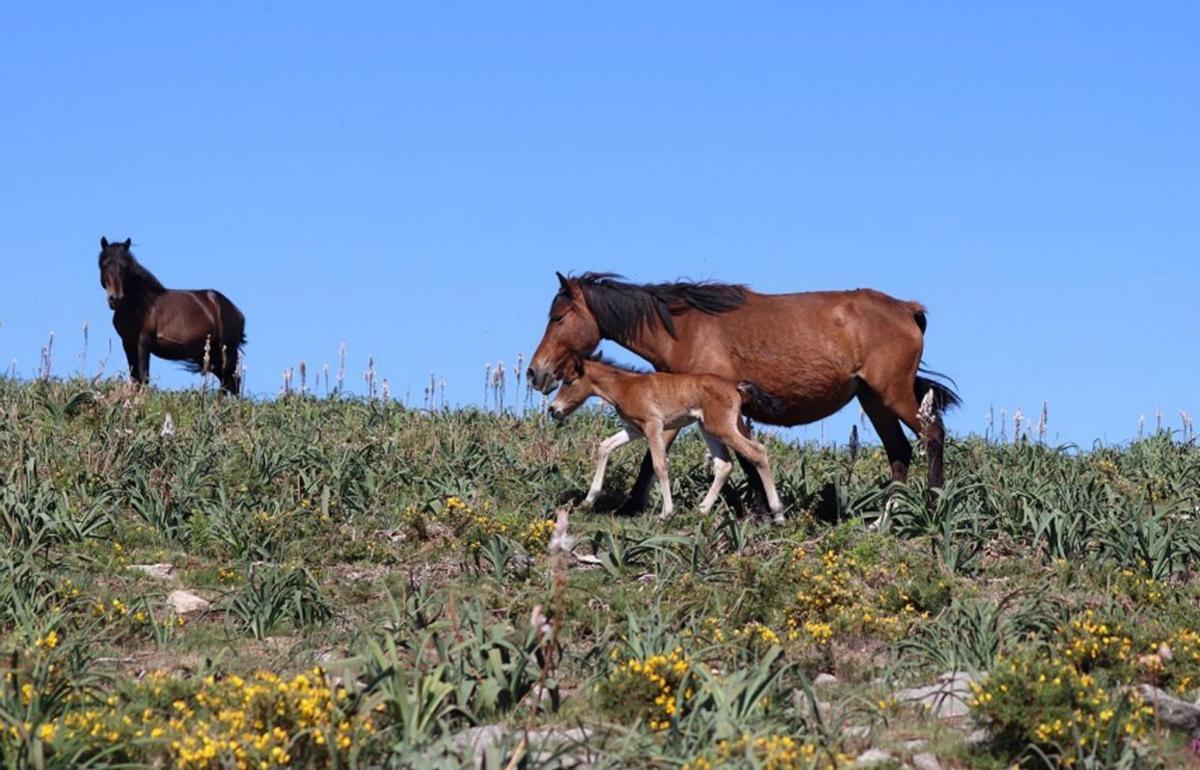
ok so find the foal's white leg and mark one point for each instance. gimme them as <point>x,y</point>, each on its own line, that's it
<point>722,467</point>
<point>757,454</point>
<point>607,447</point>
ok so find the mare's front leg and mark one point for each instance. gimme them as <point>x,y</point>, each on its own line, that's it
<point>658,459</point>
<point>607,447</point>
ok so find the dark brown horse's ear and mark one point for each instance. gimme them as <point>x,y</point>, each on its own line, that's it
<point>128,243</point>
<point>103,242</point>
<point>562,280</point>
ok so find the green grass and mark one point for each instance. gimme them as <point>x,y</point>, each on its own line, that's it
<point>373,574</point>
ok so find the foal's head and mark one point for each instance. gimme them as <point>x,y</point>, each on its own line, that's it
<point>573,390</point>
<point>115,260</point>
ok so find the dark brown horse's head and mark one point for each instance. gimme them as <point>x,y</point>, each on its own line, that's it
<point>571,331</point>
<point>115,260</point>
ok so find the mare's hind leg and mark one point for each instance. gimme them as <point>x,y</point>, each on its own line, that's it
<point>722,467</point>
<point>886,412</point>
<point>639,495</point>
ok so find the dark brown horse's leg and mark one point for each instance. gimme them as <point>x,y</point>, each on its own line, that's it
<point>143,352</point>
<point>137,353</point>
<point>230,382</point>
<point>639,496</point>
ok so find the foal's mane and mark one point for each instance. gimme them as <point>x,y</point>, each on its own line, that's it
<point>600,358</point>
<point>624,309</point>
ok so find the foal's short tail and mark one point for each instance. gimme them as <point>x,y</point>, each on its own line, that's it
<point>944,396</point>
<point>764,403</point>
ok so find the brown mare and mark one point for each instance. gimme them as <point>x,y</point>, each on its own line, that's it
<point>199,327</point>
<point>811,351</point>
<point>651,404</point>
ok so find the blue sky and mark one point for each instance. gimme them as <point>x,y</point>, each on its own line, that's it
<point>407,178</point>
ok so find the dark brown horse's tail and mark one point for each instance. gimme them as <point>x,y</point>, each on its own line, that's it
<point>944,396</point>
<point>767,407</point>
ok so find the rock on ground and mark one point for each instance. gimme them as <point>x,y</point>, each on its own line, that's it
<point>160,571</point>
<point>184,602</point>
<point>926,761</point>
<point>945,699</point>
<point>1171,711</point>
<point>872,757</point>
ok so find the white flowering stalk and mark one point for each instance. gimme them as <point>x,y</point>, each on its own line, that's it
<point>341,375</point>
<point>168,427</point>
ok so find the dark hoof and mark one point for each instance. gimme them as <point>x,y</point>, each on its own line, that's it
<point>631,507</point>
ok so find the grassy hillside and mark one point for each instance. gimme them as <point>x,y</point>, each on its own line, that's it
<point>383,581</point>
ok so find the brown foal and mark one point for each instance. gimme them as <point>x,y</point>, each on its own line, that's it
<point>652,404</point>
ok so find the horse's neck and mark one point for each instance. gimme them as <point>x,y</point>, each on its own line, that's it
<point>143,296</point>
<point>607,382</point>
<point>654,345</point>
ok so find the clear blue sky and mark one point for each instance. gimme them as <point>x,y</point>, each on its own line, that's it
<point>407,178</point>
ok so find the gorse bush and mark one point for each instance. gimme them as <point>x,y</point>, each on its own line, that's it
<point>384,587</point>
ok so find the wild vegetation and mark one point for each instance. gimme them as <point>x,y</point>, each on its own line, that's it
<point>399,588</point>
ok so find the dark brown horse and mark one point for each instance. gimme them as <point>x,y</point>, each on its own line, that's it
<point>812,351</point>
<point>199,327</point>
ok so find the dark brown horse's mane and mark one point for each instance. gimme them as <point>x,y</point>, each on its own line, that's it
<point>139,281</point>
<point>623,309</point>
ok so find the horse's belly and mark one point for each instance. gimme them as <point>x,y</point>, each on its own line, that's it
<point>172,350</point>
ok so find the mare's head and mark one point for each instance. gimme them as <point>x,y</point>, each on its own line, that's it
<point>571,332</point>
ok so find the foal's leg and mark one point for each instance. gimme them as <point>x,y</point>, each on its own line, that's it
<point>639,496</point>
<point>658,458</point>
<point>756,453</point>
<point>722,467</point>
<point>607,447</point>
<point>757,490</point>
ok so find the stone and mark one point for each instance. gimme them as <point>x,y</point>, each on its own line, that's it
<point>160,571</point>
<point>185,603</point>
<point>541,745</point>
<point>825,680</point>
<point>926,761</point>
<point>945,699</point>
<point>1170,710</point>
<point>872,758</point>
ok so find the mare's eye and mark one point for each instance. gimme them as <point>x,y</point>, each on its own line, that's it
<point>557,319</point>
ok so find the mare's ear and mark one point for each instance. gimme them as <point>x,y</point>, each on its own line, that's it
<point>128,243</point>
<point>563,282</point>
<point>103,242</point>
